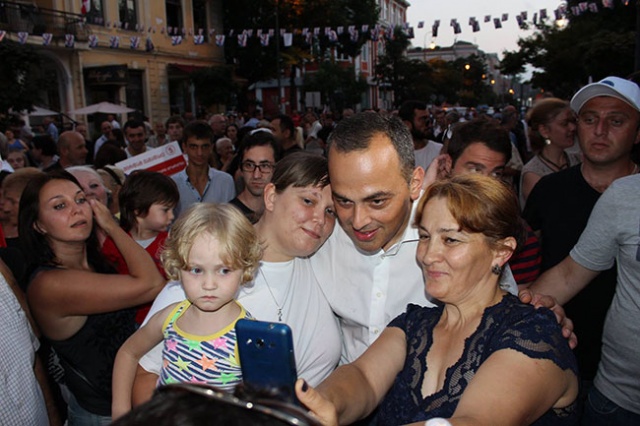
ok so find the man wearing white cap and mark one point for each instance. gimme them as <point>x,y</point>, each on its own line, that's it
<point>608,128</point>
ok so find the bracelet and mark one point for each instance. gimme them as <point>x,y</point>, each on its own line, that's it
<point>437,421</point>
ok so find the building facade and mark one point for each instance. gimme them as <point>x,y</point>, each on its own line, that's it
<point>462,49</point>
<point>137,53</point>
<point>392,13</point>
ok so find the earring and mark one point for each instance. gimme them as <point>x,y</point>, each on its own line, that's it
<point>547,141</point>
<point>496,269</point>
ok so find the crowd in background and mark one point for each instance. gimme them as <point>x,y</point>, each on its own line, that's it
<point>547,156</point>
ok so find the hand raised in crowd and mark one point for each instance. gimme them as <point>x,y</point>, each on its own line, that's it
<point>438,169</point>
<point>103,216</point>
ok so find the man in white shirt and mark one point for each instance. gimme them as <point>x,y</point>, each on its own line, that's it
<point>368,269</point>
<point>415,116</point>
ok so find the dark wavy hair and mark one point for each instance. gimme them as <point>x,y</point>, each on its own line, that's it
<point>36,244</point>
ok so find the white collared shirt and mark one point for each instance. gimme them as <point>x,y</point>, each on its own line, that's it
<point>366,291</point>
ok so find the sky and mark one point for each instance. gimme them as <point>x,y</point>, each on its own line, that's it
<point>489,39</point>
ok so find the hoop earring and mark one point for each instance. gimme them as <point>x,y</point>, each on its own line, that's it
<point>496,269</point>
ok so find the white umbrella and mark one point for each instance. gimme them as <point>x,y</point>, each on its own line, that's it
<point>42,112</point>
<point>103,107</point>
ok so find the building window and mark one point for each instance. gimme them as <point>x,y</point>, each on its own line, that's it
<point>128,14</point>
<point>174,13</point>
<point>95,14</point>
<point>200,16</point>
<point>135,90</point>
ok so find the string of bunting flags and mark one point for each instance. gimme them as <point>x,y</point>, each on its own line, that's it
<point>375,33</point>
<point>537,17</point>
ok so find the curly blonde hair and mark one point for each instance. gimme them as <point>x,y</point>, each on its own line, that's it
<point>240,245</point>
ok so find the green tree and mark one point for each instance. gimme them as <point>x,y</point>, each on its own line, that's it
<point>214,85</point>
<point>21,78</point>
<point>592,45</point>
<point>393,68</point>
<point>472,84</point>
<point>338,86</point>
<point>257,63</point>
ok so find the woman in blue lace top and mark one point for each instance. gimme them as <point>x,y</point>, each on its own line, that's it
<point>481,357</point>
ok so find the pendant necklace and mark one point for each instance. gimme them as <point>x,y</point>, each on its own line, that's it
<point>273,296</point>
<point>551,163</point>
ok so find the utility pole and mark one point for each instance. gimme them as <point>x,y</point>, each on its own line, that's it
<point>279,97</point>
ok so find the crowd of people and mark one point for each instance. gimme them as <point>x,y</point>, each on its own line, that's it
<point>432,263</point>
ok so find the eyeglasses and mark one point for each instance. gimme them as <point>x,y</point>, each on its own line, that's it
<point>250,166</point>
<point>283,411</point>
<point>393,250</point>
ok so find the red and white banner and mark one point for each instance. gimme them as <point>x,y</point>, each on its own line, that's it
<point>166,159</point>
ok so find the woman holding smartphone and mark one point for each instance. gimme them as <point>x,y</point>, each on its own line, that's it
<point>297,220</point>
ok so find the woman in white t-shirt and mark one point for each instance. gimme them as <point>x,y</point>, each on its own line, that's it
<point>297,220</point>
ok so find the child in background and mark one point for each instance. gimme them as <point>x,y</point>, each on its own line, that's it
<point>212,249</point>
<point>147,200</point>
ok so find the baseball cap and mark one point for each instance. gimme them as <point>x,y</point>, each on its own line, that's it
<point>617,87</point>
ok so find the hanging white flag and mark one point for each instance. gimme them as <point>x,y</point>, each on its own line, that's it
<point>46,39</point>
<point>288,39</point>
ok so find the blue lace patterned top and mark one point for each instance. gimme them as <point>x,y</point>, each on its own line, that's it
<point>508,324</point>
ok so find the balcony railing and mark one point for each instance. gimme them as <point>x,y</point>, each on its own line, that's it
<point>27,17</point>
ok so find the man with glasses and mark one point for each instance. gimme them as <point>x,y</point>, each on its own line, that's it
<point>260,152</point>
<point>198,182</point>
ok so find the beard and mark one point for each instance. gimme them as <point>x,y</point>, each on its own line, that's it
<point>418,134</point>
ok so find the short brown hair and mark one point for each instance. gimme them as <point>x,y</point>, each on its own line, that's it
<point>480,204</point>
<point>542,113</point>
<point>19,179</point>
<point>299,170</point>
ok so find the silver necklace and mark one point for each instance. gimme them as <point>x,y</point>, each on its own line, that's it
<point>272,296</point>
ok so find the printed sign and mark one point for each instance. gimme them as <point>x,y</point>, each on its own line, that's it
<point>166,159</point>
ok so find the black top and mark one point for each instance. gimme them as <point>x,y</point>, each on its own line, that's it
<point>87,357</point>
<point>250,214</point>
<point>509,324</point>
<point>559,207</point>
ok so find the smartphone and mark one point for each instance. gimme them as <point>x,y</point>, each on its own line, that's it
<point>266,357</point>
